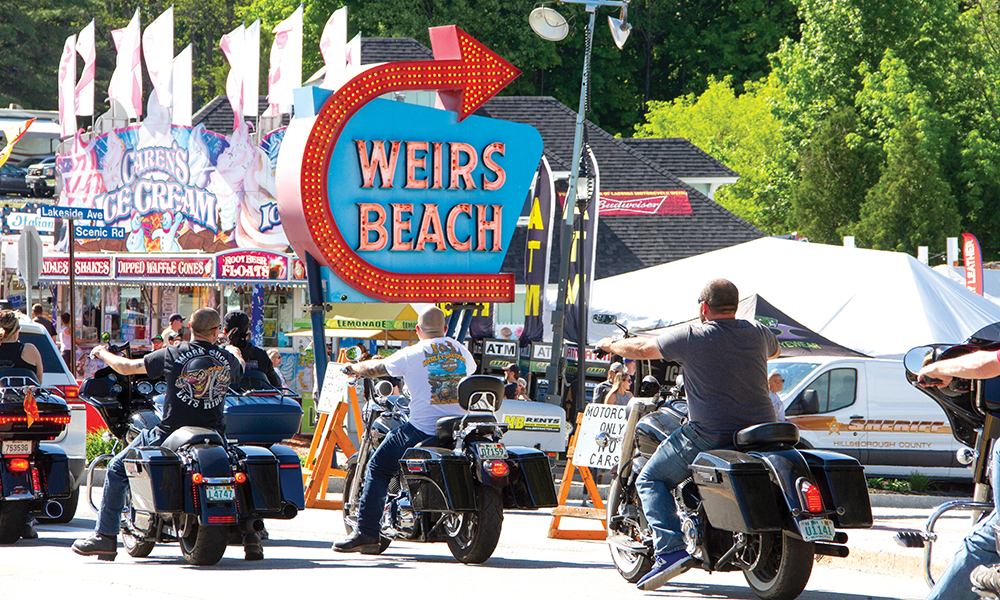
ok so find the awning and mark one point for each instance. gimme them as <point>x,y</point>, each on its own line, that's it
<point>362,334</point>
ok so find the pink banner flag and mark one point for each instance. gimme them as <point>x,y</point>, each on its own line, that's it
<point>353,55</point>
<point>126,82</point>
<point>232,46</point>
<point>333,47</point>
<point>973,263</point>
<point>285,73</point>
<point>85,87</point>
<point>158,47</point>
<point>67,88</point>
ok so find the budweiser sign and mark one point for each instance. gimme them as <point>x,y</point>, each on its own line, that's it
<point>84,267</point>
<point>167,268</point>
<point>670,202</point>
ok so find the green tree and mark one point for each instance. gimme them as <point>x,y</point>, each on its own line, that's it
<point>741,132</point>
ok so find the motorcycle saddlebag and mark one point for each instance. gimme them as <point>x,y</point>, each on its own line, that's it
<point>438,480</point>
<point>261,418</point>
<point>53,467</point>
<point>262,489</point>
<point>289,475</point>
<point>737,492</point>
<point>530,478</point>
<point>155,478</point>
<point>841,479</point>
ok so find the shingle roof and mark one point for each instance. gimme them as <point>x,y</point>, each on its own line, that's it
<point>217,115</point>
<point>624,244</point>
<point>680,157</point>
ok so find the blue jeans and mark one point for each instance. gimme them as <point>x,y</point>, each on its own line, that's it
<point>978,548</point>
<point>667,467</point>
<point>382,465</point>
<point>116,482</point>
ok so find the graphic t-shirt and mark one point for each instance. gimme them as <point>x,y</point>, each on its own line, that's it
<point>198,376</point>
<point>431,370</point>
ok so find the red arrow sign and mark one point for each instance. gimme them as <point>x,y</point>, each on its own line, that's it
<point>469,74</point>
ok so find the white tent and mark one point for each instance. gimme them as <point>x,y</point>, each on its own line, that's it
<point>878,303</point>
<point>991,280</point>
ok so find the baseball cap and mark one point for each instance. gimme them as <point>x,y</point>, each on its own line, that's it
<point>616,366</point>
<point>157,338</point>
<point>521,382</point>
<point>513,368</point>
<point>176,317</point>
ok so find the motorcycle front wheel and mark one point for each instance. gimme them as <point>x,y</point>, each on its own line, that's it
<point>478,532</point>
<point>631,565</point>
<point>13,514</point>
<point>351,504</point>
<point>204,545</point>
<point>783,570</point>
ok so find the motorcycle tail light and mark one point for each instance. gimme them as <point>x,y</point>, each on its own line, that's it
<point>18,465</point>
<point>499,468</point>
<point>240,477</point>
<point>197,478</point>
<point>36,483</point>
<point>811,497</point>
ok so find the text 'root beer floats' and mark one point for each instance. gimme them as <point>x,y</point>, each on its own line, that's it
<point>404,202</point>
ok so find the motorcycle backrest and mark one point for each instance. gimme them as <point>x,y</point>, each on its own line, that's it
<point>18,378</point>
<point>480,392</point>
<point>254,380</point>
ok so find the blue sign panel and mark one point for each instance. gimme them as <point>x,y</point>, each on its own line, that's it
<point>69,212</point>
<point>86,232</point>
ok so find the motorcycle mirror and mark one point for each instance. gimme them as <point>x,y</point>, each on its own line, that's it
<point>602,439</point>
<point>105,337</point>
<point>604,319</point>
<point>352,353</point>
<point>918,358</point>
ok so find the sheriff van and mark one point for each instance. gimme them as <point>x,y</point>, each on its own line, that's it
<point>865,408</point>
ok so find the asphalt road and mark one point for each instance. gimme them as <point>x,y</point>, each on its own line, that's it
<point>299,563</point>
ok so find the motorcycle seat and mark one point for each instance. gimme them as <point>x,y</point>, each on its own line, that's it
<point>189,436</point>
<point>447,426</point>
<point>764,434</point>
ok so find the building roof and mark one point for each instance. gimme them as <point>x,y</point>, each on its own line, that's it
<point>680,157</point>
<point>624,243</point>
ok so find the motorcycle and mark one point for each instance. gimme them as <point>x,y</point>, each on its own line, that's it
<point>764,508</point>
<point>196,488</point>
<point>973,411</point>
<point>33,475</point>
<point>454,488</point>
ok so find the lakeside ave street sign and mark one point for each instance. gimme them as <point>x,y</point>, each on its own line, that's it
<point>406,203</point>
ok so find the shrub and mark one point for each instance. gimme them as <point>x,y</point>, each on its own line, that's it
<point>919,482</point>
<point>97,445</point>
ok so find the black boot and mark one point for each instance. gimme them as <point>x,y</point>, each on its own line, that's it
<point>29,532</point>
<point>252,549</point>
<point>358,543</point>
<point>104,547</point>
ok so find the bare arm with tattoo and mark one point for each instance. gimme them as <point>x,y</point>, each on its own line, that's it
<point>125,366</point>
<point>368,368</point>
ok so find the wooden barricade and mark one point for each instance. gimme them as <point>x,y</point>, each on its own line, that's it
<point>598,512</point>
<point>330,435</point>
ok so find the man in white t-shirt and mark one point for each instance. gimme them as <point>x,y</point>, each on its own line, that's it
<point>431,369</point>
<point>775,383</point>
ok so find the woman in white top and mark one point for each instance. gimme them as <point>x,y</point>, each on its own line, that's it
<point>64,339</point>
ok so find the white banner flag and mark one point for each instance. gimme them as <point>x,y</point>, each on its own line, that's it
<point>158,47</point>
<point>251,70</point>
<point>85,87</point>
<point>183,73</point>
<point>67,88</point>
<point>232,46</point>
<point>333,47</point>
<point>285,74</point>
<point>126,81</point>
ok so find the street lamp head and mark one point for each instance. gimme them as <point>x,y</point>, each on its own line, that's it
<point>620,28</point>
<point>548,24</point>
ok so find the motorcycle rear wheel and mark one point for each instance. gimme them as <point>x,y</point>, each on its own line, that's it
<point>350,515</point>
<point>784,572</point>
<point>631,565</point>
<point>204,545</point>
<point>13,515</point>
<point>479,531</point>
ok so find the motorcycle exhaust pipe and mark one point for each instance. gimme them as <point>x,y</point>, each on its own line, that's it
<point>53,509</point>
<point>253,526</point>
<point>289,511</point>
<point>832,550</point>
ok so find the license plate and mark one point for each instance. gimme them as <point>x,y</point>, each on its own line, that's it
<point>16,447</point>
<point>220,493</point>
<point>491,451</point>
<point>816,529</point>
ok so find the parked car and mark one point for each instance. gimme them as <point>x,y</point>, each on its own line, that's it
<point>74,439</point>
<point>41,178</point>
<point>12,181</point>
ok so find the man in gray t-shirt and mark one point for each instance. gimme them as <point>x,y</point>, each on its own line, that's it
<point>725,378</point>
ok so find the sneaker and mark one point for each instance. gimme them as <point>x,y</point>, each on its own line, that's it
<point>252,549</point>
<point>986,581</point>
<point>104,547</point>
<point>29,532</point>
<point>358,543</point>
<point>663,564</point>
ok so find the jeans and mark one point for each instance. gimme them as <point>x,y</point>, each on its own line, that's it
<point>668,467</point>
<point>116,482</point>
<point>382,465</point>
<point>978,548</point>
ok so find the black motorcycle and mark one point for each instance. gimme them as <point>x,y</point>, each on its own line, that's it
<point>764,508</point>
<point>33,474</point>
<point>195,488</point>
<point>973,411</point>
<point>454,488</point>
